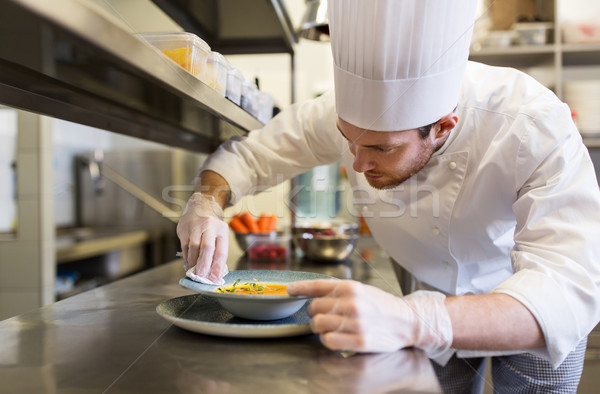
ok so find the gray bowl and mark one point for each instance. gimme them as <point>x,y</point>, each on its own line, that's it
<point>256,307</point>
<point>323,246</point>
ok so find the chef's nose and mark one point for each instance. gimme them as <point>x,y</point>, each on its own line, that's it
<point>362,162</point>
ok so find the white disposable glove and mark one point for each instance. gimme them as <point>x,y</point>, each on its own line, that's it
<point>352,316</point>
<point>204,238</point>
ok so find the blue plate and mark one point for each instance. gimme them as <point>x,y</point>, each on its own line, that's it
<point>205,315</point>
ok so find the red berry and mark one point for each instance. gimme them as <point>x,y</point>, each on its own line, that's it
<point>281,252</point>
<point>254,253</point>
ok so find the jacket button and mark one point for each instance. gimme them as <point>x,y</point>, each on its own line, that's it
<point>436,230</point>
<point>452,165</point>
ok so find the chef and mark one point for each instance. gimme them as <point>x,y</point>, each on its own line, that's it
<point>473,178</point>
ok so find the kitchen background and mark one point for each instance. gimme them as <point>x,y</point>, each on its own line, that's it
<point>104,227</point>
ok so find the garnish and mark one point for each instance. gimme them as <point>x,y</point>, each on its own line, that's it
<point>256,287</point>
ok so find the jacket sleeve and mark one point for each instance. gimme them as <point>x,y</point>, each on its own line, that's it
<point>297,139</point>
<point>556,257</point>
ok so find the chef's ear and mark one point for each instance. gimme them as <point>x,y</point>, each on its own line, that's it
<point>445,125</point>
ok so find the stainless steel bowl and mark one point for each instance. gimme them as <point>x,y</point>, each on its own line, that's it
<point>335,244</point>
<point>241,241</point>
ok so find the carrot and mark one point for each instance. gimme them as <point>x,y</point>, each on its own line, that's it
<point>249,222</point>
<point>237,225</point>
<point>273,223</point>
<point>264,223</point>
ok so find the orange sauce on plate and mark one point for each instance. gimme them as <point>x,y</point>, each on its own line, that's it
<point>255,288</point>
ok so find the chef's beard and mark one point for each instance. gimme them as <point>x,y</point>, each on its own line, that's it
<point>390,181</point>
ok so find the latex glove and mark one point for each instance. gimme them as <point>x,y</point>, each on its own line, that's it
<point>204,238</point>
<point>352,316</point>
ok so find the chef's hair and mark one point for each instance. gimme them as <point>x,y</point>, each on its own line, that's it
<point>425,130</point>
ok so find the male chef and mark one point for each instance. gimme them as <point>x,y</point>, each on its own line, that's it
<point>473,178</point>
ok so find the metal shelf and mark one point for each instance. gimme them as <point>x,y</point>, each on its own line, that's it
<point>592,141</point>
<point>580,47</point>
<point>519,56</point>
<point>580,54</point>
<point>235,26</point>
<point>66,59</point>
<point>515,50</point>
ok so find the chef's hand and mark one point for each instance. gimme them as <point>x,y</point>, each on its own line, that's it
<point>204,237</point>
<point>352,316</point>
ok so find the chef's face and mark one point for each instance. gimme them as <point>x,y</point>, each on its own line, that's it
<point>389,158</point>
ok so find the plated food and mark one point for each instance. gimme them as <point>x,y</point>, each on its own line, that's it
<point>254,287</point>
<point>256,306</point>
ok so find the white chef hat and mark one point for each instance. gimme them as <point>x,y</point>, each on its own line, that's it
<point>398,64</point>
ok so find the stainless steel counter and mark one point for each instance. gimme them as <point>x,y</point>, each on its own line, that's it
<point>110,339</point>
<point>85,242</point>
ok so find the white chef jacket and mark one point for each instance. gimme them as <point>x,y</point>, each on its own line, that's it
<point>509,204</point>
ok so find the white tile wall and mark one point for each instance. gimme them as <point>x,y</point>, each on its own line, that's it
<point>27,262</point>
<point>8,132</point>
<point>16,273</point>
<point>18,301</point>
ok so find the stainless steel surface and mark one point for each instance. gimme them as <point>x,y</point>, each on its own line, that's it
<point>315,21</point>
<point>406,281</point>
<point>99,170</point>
<point>241,241</point>
<point>140,194</point>
<point>79,243</point>
<point>65,59</point>
<point>110,339</point>
<point>139,189</point>
<point>328,248</point>
<point>90,257</point>
<point>235,26</point>
<point>148,194</point>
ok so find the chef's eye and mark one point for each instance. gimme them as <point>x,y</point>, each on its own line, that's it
<point>382,149</point>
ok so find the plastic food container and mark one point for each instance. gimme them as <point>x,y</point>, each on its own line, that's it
<point>185,49</point>
<point>250,97</point>
<point>234,85</point>
<point>268,247</point>
<point>581,32</point>
<point>265,106</point>
<point>217,68</point>
<point>533,33</point>
<point>498,39</point>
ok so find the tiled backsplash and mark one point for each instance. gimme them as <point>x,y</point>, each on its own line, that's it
<point>8,133</point>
